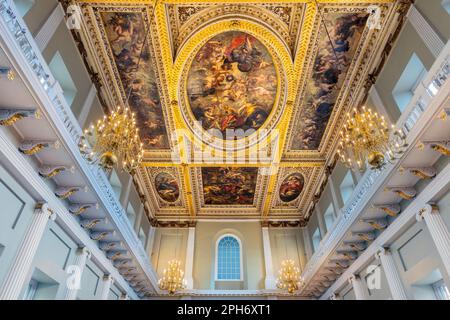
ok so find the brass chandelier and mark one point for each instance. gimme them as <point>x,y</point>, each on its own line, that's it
<point>113,140</point>
<point>173,278</point>
<point>288,276</point>
<point>367,138</point>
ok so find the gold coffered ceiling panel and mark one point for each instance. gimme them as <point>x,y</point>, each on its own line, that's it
<point>237,64</point>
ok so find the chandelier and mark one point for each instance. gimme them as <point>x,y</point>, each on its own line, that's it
<point>289,276</point>
<point>366,137</point>
<point>173,278</point>
<point>113,140</point>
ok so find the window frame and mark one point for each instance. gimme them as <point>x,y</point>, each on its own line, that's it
<point>216,267</point>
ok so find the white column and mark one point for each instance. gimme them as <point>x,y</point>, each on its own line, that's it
<point>150,240</point>
<point>321,222</point>
<point>48,29</point>
<point>393,277</point>
<point>137,222</point>
<point>334,196</point>
<point>358,287</point>
<point>21,265</point>
<point>81,258</point>
<point>87,105</point>
<point>107,283</point>
<point>270,282</point>
<point>189,262</point>
<point>439,232</point>
<point>125,195</point>
<point>308,243</point>
<point>379,104</point>
<point>425,31</point>
<point>357,176</point>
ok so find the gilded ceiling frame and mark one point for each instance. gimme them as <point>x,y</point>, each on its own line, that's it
<point>294,68</point>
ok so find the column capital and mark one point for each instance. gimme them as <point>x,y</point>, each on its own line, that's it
<point>42,208</point>
<point>353,278</point>
<point>428,209</point>
<point>382,251</point>
<point>108,277</point>
<point>83,251</point>
<point>336,296</point>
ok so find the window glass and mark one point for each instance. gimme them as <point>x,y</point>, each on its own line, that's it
<point>228,259</point>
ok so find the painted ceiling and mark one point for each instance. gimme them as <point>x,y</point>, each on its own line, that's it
<point>265,70</point>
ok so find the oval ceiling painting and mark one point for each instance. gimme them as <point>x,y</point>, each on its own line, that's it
<point>291,187</point>
<point>232,83</point>
<point>167,187</point>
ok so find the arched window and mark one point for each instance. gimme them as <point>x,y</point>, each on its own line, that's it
<point>228,259</point>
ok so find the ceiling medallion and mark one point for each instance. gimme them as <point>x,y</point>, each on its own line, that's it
<point>366,138</point>
<point>167,187</point>
<point>291,187</point>
<point>232,84</point>
<point>232,88</point>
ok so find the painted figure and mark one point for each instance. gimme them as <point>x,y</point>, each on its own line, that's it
<point>330,68</point>
<point>126,35</point>
<point>229,186</point>
<point>232,83</point>
<point>167,187</point>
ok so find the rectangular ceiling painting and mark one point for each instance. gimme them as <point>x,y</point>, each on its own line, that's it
<point>331,65</point>
<point>126,35</point>
<point>229,186</point>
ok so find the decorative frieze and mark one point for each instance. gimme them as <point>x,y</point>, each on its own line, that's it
<point>283,224</point>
